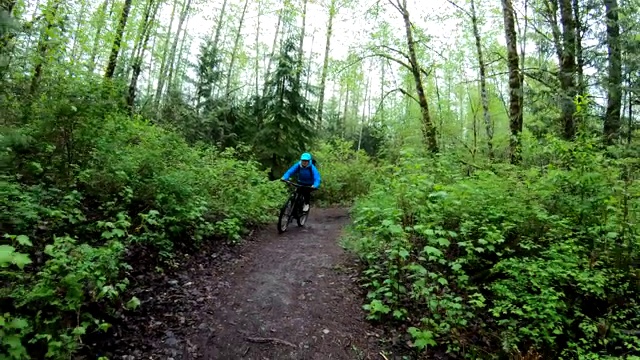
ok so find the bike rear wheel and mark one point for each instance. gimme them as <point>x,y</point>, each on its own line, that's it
<point>285,215</point>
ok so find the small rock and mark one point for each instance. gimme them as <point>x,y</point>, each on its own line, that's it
<point>326,331</point>
<point>173,282</point>
<point>188,284</point>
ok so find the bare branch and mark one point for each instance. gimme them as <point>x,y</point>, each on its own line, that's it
<point>389,57</point>
<point>395,50</point>
<point>460,8</point>
<point>403,91</point>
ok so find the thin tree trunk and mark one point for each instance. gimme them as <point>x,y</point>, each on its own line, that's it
<point>165,54</point>
<point>362,121</point>
<point>176,81</point>
<point>515,89</point>
<point>137,62</point>
<point>484,96</point>
<point>102,16</point>
<point>301,45</point>
<point>44,45</point>
<point>174,47</point>
<point>152,65</point>
<point>582,86</point>
<point>614,83</point>
<point>273,51</point>
<point>235,49</point>
<point>257,63</point>
<point>325,64</point>
<point>115,49</point>
<point>76,34</point>
<point>140,37</point>
<point>309,60</point>
<point>428,130</point>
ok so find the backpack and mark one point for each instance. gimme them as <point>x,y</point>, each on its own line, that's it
<point>314,162</point>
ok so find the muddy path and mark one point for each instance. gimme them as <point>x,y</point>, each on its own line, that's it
<point>289,296</point>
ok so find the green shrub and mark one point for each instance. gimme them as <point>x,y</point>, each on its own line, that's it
<point>504,262</point>
<point>73,207</point>
<point>346,174</point>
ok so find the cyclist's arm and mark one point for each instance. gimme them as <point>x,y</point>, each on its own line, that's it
<point>316,177</point>
<point>290,172</point>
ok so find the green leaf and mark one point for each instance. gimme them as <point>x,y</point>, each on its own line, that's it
<point>20,260</point>
<point>24,240</point>
<point>19,323</point>
<point>79,330</point>
<point>6,255</point>
<point>133,303</point>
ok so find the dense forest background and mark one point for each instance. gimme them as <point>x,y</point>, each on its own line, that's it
<point>489,150</point>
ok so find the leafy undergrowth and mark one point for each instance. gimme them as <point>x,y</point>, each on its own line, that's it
<point>540,260</point>
<point>346,173</point>
<point>86,202</point>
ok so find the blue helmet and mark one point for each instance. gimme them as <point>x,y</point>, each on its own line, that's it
<point>305,156</point>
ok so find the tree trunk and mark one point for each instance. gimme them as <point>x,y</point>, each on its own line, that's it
<point>137,62</point>
<point>165,54</point>
<point>174,47</point>
<point>6,7</point>
<point>115,49</point>
<point>582,86</point>
<point>257,61</point>
<point>235,49</point>
<point>515,83</point>
<point>428,130</point>
<point>325,64</point>
<point>301,45</point>
<point>176,80</point>
<point>102,16</point>
<point>614,83</point>
<point>43,45</point>
<point>273,51</point>
<point>568,69</point>
<point>484,96</point>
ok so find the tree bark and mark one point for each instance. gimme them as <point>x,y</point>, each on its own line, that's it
<point>484,96</point>
<point>44,45</point>
<point>102,15</point>
<point>174,47</point>
<point>568,69</point>
<point>515,87</point>
<point>614,83</point>
<point>115,49</point>
<point>428,130</point>
<point>137,62</point>
<point>165,54</point>
<point>301,44</point>
<point>235,49</point>
<point>325,63</point>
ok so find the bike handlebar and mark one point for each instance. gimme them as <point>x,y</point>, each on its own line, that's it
<point>297,185</point>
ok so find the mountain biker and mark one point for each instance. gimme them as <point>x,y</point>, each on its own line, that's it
<point>308,175</point>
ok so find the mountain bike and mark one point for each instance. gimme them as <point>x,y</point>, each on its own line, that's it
<point>293,208</point>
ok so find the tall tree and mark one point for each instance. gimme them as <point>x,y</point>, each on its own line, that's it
<point>325,63</point>
<point>515,83</point>
<point>115,49</point>
<point>428,129</point>
<point>614,83</point>
<point>234,52</point>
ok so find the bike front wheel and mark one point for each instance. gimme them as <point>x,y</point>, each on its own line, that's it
<point>285,216</point>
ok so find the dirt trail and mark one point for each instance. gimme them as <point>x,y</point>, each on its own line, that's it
<point>290,296</point>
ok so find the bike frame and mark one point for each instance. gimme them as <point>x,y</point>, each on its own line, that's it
<point>296,212</point>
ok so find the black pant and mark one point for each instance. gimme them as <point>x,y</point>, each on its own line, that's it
<point>306,194</point>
